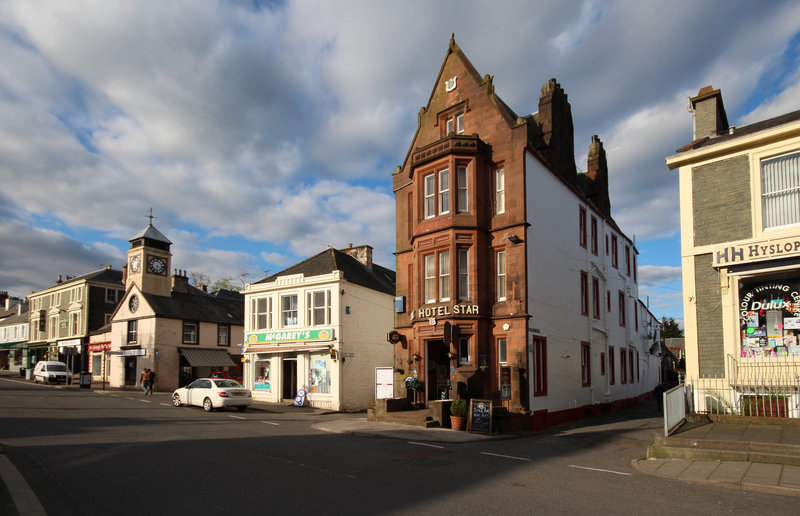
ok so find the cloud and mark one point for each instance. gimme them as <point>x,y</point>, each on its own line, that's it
<point>260,133</point>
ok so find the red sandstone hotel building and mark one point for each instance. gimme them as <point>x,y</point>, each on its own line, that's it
<point>513,281</point>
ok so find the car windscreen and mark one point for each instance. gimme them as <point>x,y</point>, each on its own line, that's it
<point>227,383</point>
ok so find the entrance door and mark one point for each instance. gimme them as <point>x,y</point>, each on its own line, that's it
<point>289,378</point>
<point>437,370</point>
<point>130,371</point>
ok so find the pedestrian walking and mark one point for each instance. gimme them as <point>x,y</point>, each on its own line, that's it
<point>658,394</point>
<point>145,380</point>
<point>152,382</point>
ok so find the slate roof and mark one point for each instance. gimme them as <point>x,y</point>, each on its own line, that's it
<point>378,278</point>
<point>740,132</point>
<point>15,319</point>
<point>152,233</point>
<point>196,305</point>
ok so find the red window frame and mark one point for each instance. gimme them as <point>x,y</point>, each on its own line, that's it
<point>593,232</point>
<point>628,260</point>
<point>584,293</point>
<point>630,363</point>
<point>595,298</point>
<point>614,254</point>
<point>623,366</point>
<point>582,226</point>
<point>586,364</point>
<point>602,363</point>
<point>622,308</point>
<point>611,366</point>
<point>539,366</point>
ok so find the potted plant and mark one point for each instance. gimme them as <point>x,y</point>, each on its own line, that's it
<point>458,414</point>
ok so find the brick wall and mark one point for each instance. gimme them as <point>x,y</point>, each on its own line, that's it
<point>721,201</point>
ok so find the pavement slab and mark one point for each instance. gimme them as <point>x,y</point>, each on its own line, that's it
<point>729,472</point>
<point>672,468</point>
<point>762,473</point>
<point>790,476</point>
<point>699,470</point>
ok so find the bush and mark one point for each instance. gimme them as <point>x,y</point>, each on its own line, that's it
<point>458,408</point>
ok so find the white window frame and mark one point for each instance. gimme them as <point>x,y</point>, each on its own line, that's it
<point>74,323</point>
<point>463,274</point>
<point>256,314</point>
<point>502,351</point>
<point>429,262</point>
<point>500,190</point>
<point>227,335</point>
<point>444,276</point>
<point>133,331</point>
<point>462,189</point>
<point>429,183</point>
<point>779,177</point>
<point>111,295</point>
<point>319,314</point>
<point>501,275</point>
<point>460,123</point>
<point>194,334</point>
<point>449,126</point>
<point>53,327</point>
<point>444,191</point>
<point>286,318</point>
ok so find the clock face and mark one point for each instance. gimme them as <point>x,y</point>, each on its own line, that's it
<point>133,303</point>
<point>157,265</point>
<point>136,264</point>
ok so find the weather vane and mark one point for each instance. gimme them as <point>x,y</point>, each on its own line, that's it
<point>150,216</point>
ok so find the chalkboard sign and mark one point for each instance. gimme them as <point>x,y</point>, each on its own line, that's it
<point>480,416</point>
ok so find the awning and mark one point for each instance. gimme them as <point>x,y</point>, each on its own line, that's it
<point>12,345</point>
<point>207,357</point>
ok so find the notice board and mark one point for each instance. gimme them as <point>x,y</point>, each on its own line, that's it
<point>480,416</point>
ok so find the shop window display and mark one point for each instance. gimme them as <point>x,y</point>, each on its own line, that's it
<point>263,381</point>
<point>319,375</point>
<point>769,317</point>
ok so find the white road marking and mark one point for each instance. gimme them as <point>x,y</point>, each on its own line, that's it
<point>237,417</point>
<point>146,401</point>
<point>426,444</point>
<point>506,456</point>
<point>270,423</point>
<point>601,470</point>
<point>165,404</point>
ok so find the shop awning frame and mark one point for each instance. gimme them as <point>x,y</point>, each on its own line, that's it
<point>205,357</point>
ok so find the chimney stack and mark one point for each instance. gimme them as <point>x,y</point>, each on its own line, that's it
<point>362,253</point>
<point>180,282</point>
<point>709,113</point>
<point>557,133</point>
<point>595,184</point>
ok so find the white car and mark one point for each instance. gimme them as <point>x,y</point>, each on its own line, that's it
<point>212,393</point>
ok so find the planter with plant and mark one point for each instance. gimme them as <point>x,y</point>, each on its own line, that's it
<point>458,414</point>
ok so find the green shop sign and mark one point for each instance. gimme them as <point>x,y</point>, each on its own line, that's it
<point>290,336</point>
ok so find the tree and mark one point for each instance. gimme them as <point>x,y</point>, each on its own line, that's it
<point>670,328</point>
<point>227,283</point>
<point>199,278</point>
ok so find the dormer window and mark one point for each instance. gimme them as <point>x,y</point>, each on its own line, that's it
<point>452,121</point>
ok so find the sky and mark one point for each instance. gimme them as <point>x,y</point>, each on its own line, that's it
<point>262,132</point>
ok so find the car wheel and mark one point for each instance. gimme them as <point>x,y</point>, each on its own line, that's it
<point>207,405</point>
<point>241,408</point>
<point>176,400</point>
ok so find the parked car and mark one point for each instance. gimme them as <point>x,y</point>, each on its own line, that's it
<point>212,393</point>
<point>47,371</point>
<point>231,375</point>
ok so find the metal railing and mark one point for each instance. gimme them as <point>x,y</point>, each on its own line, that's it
<point>752,386</point>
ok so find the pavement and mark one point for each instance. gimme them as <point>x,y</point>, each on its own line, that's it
<point>765,457</point>
<point>752,454</point>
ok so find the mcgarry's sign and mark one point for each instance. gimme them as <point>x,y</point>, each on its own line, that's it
<point>289,336</point>
<point>756,251</point>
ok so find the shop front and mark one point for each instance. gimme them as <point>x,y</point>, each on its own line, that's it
<point>769,316</point>
<point>279,369</point>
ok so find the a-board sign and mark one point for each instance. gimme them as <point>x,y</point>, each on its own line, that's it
<point>480,416</point>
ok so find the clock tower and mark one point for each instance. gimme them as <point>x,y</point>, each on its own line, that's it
<point>149,262</point>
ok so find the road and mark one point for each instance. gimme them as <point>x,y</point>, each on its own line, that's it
<point>88,453</point>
